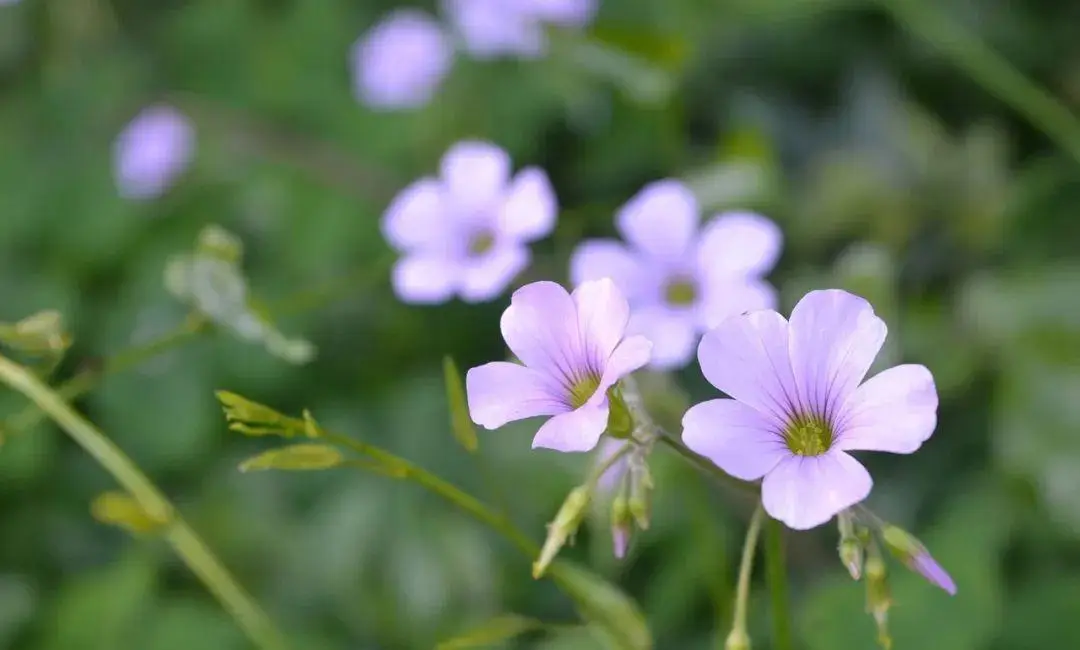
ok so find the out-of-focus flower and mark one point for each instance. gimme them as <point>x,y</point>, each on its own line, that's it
<point>466,232</point>
<point>401,61</point>
<point>798,405</point>
<point>492,28</point>
<point>573,348</point>
<point>681,281</point>
<point>152,150</point>
<point>612,477</point>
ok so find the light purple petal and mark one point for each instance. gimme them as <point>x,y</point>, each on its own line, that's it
<point>401,62</point>
<point>152,150</point>
<point>725,297</point>
<point>491,28</point>
<point>673,335</point>
<point>566,13</point>
<point>739,243</point>
<point>735,437</point>
<point>612,477</point>
<point>578,430</point>
<point>661,220</point>
<point>894,411</point>
<point>834,337</point>
<point>630,355</point>
<point>927,567</point>
<point>530,208</point>
<point>602,314</point>
<point>541,328</point>
<point>417,217</point>
<point>606,258</point>
<point>487,276</point>
<point>425,279</point>
<point>807,491</point>
<point>502,392</point>
<point>475,174</point>
<point>746,356</point>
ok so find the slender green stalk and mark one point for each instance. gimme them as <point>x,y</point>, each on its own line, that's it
<point>738,638</point>
<point>989,69</point>
<point>255,623</point>
<point>776,574</point>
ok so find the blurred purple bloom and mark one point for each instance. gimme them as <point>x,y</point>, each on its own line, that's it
<point>491,28</point>
<point>681,281</point>
<point>573,349</point>
<point>798,405</point>
<point>466,232</point>
<point>152,150</point>
<point>401,61</point>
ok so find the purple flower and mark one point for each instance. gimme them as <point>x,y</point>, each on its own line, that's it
<point>681,281</point>
<point>466,232</point>
<point>152,150</point>
<point>574,349</point>
<point>492,28</point>
<point>799,408</point>
<point>401,61</point>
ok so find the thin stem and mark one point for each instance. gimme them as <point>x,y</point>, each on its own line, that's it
<point>609,462</point>
<point>776,573</point>
<point>255,623</point>
<point>990,70</point>
<point>742,592</point>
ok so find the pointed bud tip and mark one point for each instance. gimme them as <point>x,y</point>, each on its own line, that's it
<point>927,567</point>
<point>738,639</point>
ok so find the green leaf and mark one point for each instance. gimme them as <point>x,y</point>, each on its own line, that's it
<point>605,606</point>
<point>498,629</point>
<point>460,421</point>
<point>121,509</point>
<point>299,457</point>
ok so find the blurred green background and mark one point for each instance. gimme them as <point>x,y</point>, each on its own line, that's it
<point>893,172</point>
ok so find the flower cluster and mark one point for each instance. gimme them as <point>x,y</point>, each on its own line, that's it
<point>401,61</point>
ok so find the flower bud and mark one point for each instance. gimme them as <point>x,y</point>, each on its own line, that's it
<point>851,554</point>
<point>620,422</point>
<point>640,495</point>
<point>915,557</point>
<point>878,598</point>
<point>621,525</point>
<point>565,525</point>
<point>738,639</point>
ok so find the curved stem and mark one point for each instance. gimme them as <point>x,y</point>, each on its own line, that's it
<point>746,565</point>
<point>255,623</point>
<point>991,70</point>
<point>776,573</point>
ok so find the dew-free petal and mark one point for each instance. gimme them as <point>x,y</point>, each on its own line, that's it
<point>725,297</point>
<point>807,491</point>
<point>424,279</point>
<point>152,150</point>
<point>475,174</point>
<point>490,28</point>
<point>530,208</point>
<point>567,13</point>
<point>673,335</point>
<point>613,475</point>
<point>596,259</point>
<point>746,356</point>
<point>502,392</point>
<point>735,437</point>
<point>660,220</point>
<point>401,61</point>
<point>631,354</point>
<point>927,567</point>
<point>578,430</point>
<point>834,338</point>
<point>739,243</point>
<point>894,411</point>
<point>602,316</point>
<point>416,218</point>
<point>541,328</point>
<point>484,277</point>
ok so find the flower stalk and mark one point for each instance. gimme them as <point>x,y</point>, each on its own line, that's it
<point>738,639</point>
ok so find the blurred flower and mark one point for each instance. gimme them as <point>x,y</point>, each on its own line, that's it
<point>573,349</point>
<point>466,232</point>
<point>680,281</point>
<point>798,407</point>
<point>401,61</point>
<point>612,477</point>
<point>152,150</point>
<point>492,28</point>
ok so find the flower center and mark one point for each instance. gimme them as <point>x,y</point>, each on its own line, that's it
<point>481,243</point>
<point>583,389</point>
<point>680,292</point>
<point>808,436</point>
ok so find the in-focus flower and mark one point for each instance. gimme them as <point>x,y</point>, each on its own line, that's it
<point>401,61</point>
<point>152,150</point>
<point>799,408</point>
<point>492,28</point>
<point>466,232</point>
<point>681,281</point>
<point>574,349</point>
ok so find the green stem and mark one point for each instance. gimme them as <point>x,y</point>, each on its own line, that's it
<point>255,623</point>
<point>746,566</point>
<point>990,70</point>
<point>776,573</point>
